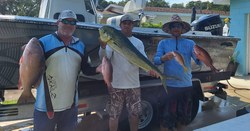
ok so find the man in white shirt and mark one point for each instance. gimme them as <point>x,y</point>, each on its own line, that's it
<point>125,79</point>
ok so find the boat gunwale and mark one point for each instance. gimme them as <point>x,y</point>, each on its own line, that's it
<point>153,32</point>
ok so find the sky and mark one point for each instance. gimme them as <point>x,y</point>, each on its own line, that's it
<point>171,1</point>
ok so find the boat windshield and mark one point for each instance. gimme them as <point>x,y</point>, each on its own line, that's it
<point>89,7</point>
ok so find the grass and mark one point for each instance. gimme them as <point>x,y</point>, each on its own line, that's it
<point>9,102</point>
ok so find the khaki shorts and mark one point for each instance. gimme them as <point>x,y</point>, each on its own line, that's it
<point>132,98</point>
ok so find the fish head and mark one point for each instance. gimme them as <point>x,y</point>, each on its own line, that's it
<point>104,35</point>
<point>33,42</point>
<point>196,48</point>
<point>104,59</point>
<point>178,57</point>
<point>173,53</point>
<point>34,46</point>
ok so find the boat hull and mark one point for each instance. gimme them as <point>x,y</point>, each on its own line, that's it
<point>17,31</point>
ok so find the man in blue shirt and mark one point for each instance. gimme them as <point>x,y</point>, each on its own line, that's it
<point>176,105</point>
<point>57,96</point>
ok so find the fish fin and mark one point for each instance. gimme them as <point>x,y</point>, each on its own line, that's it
<point>164,78</point>
<point>37,84</point>
<point>19,84</point>
<point>26,99</point>
<point>215,71</point>
<point>50,114</point>
<point>117,44</point>
<point>185,68</point>
<point>21,60</point>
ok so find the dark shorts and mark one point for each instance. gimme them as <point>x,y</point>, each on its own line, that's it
<point>132,98</point>
<point>64,120</point>
<point>176,106</point>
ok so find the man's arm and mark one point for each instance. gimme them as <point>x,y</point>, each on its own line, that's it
<point>86,68</point>
<point>160,56</point>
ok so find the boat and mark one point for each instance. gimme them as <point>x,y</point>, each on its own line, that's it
<point>18,30</point>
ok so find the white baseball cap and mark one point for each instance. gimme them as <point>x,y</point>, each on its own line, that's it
<point>67,14</point>
<point>126,17</point>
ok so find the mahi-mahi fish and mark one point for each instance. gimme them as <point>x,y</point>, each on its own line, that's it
<point>121,44</point>
<point>32,67</point>
<point>107,72</point>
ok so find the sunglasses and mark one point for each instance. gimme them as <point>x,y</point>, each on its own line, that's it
<point>178,26</point>
<point>64,21</point>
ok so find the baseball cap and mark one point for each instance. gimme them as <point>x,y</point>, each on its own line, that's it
<point>67,14</point>
<point>126,17</point>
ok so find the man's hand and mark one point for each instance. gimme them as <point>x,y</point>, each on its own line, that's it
<point>167,57</point>
<point>152,73</point>
<point>103,44</point>
<point>196,55</point>
<point>99,69</point>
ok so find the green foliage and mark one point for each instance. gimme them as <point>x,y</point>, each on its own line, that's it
<point>191,4</point>
<point>31,7</point>
<point>207,6</point>
<point>149,24</point>
<point>123,2</point>
<point>10,102</point>
<point>20,7</point>
<point>234,56</point>
<point>158,3</point>
<point>103,4</point>
<point>181,5</point>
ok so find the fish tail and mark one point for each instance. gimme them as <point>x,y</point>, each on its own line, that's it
<point>164,85</point>
<point>214,70</point>
<point>164,78</point>
<point>21,60</point>
<point>185,68</point>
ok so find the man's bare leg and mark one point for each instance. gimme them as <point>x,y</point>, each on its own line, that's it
<point>163,128</point>
<point>113,124</point>
<point>134,123</point>
<point>180,127</point>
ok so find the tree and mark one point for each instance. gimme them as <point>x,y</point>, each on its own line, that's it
<point>103,3</point>
<point>196,4</point>
<point>123,2</point>
<point>181,5</point>
<point>158,3</point>
<point>149,24</point>
<point>20,7</point>
<point>207,6</point>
